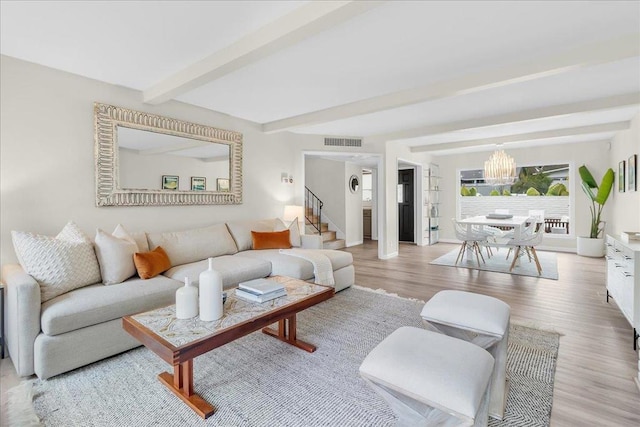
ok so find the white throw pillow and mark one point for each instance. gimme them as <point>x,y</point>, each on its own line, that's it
<point>115,255</point>
<point>294,231</point>
<point>59,264</point>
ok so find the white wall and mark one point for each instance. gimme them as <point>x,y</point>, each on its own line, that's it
<point>47,152</point>
<point>325,178</point>
<point>145,171</point>
<point>388,207</point>
<point>594,154</point>
<point>624,208</point>
<point>353,206</point>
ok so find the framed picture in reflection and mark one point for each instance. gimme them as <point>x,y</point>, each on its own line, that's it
<point>222,184</point>
<point>198,183</point>
<point>170,182</point>
<point>621,171</point>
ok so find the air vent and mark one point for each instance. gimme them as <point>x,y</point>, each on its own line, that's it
<point>343,142</point>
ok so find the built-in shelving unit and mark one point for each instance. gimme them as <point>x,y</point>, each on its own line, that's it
<point>431,204</point>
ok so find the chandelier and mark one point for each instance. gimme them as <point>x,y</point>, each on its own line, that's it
<point>500,169</point>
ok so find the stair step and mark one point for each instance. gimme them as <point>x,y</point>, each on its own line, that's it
<point>311,229</point>
<point>328,235</point>
<point>334,244</point>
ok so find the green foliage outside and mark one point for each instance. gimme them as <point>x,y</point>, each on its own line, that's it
<point>506,192</point>
<point>557,189</point>
<point>473,191</point>
<point>464,191</point>
<point>532,192</point>
<point>531,177</point>
<point>494,192</point>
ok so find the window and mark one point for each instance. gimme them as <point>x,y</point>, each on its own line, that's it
<point>367,185</point>
<point>543,187</point>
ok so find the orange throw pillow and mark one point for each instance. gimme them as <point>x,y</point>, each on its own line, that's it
<point>271,239</point>
<point>150,264</point>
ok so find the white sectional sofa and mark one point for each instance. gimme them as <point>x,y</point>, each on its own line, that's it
<point>83,325</point>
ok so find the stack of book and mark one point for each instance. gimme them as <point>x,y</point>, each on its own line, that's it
<point>260,290</point>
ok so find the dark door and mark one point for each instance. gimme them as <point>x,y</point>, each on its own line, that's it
<point>405,208</point>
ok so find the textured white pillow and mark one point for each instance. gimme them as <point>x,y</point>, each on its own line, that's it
<point>115,255</point>
<point>59,264</point>
<point>294,231</point>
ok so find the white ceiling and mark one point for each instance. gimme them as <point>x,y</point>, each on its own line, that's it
<point>455,75</point>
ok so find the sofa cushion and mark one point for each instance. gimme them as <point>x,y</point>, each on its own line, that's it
<point>241,231</point>
<point>95,304</point>
<point>59,264</point>
<point>152,263</point>
<point>115,255</point>
<point>298,268</point>
<point>188,246</point>
<point>339,259</point>
<point>233,270</point>
<point>271,239</point>
<point>281,265</point>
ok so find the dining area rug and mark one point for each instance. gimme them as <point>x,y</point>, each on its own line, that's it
<point>499,263</point>
<point>259,381</point>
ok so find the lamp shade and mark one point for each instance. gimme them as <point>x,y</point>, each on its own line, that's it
<point>292,212</point>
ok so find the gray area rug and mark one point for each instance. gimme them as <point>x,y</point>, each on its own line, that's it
<point>260,381</point>
<point>498,263</point>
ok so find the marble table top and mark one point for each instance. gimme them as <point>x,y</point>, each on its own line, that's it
<point>179,332</point>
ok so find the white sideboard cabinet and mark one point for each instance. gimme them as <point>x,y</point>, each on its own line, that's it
<point>623,279</point>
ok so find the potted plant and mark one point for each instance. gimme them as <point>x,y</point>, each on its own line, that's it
<point>593,245</point>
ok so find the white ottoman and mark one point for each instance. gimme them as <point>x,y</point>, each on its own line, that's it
<point>481,320</point>
<point>430,379</point>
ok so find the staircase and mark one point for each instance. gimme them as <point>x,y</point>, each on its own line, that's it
<point>329,240</point>
<point>313,222</point>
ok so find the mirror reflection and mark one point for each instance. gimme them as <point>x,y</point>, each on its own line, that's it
<point>145,157</point>
<point>353,183</point>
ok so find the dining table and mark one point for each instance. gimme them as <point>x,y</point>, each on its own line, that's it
<point>517,222</point>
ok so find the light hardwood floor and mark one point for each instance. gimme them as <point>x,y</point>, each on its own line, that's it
<point>596,363</point>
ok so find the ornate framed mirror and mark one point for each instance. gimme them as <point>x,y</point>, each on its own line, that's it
<point>143,159</point>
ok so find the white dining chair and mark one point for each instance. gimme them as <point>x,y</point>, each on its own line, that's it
<point>470,238</point>
<point>492,237</point>
<point>528,240</point>
<point>538,214</point>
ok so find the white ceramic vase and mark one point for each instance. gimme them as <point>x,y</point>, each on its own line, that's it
<point>211,307</point>
<point>187,301</point>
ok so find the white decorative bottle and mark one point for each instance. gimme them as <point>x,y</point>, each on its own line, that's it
<point>187,301</point>
<point>210,294</point>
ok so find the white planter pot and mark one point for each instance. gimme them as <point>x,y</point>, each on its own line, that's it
<point>590,247</point>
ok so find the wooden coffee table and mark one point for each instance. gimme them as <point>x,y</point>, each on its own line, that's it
<point>178,342</point>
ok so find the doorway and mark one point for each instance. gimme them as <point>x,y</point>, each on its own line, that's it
<point>406,209</point>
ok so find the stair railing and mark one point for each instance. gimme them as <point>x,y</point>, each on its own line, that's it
<point>313,209</point>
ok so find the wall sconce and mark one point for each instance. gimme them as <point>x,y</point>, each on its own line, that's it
<point>285,178</point>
